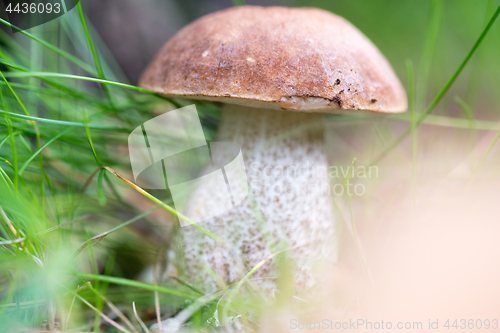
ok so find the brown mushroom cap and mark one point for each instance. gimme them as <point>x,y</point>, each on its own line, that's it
<point>302,59</point>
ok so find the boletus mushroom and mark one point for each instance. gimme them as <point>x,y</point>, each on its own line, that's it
<point>275,71</point>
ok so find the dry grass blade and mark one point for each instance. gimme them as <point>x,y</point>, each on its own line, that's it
<point>167,207</point>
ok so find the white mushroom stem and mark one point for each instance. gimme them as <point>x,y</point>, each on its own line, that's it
<point>287,171</point>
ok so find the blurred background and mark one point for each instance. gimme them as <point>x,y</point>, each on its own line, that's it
<point>421,244</point>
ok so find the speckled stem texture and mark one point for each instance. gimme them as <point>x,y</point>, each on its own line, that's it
<point>289,205</point>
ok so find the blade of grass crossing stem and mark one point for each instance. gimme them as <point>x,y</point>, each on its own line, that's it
<point>53,48</point>
<point>92,258</point>
<point>93,51</point>
<point>476,171</point>
<point>444,90</point>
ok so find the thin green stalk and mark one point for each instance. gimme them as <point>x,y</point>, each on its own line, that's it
<point>102,290</point>
<point>237,287</point>
<point>42,148</point>
<point>92,258</point>
<point>7,137</point>
<point>93,51</point>
<point>428,50</point>
<point>476,171</point>
<point>472,121</point>
<point>62,122</point>
<point>237,3</point>
<point>413,129</point>
<point>51,47</point>
<point>353,225</point>
<point>450,122</point>
<point>109,320</point>
<point>167,207</point>
<point>77,77</point>
<point>444,90</point>
<point>137,284</point>
<point>20,103</point>
<point>89,138</point>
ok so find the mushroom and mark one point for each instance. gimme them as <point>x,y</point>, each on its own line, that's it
<point>276,71</point>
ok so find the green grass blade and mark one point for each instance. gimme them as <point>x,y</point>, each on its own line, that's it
<point>15,164</point>
<point>51,47</point>
<point>62,122</point>
<point>104,234</point>
<point>93,51</point>
<point>21,170</point>
<point>237,3</point>
<point>100,190</point>
<point>77,77</point>
<point>476,171</point>
<point>168,208</point>
<point>413,129</point>
<point>431,36</point>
